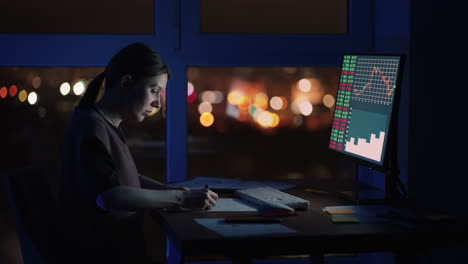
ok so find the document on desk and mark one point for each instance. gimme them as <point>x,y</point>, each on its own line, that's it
<point>219,226</point>
<point>233,205</point>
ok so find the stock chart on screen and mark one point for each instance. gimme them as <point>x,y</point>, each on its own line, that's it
<point>364,104</point>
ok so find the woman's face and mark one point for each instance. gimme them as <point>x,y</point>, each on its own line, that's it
<point>144,95</point>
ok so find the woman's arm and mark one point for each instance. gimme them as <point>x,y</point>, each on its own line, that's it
<point>132,198</point>
<point>98,166</point>
<point>149,183</point>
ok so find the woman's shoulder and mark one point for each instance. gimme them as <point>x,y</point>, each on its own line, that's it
<point>88,122</point>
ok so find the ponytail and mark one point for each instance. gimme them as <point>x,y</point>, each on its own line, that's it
<point>91,93</point>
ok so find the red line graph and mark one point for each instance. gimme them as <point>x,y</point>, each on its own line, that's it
<point>386,81</point>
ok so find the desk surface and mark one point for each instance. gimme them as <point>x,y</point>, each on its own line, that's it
<point>316,234</point>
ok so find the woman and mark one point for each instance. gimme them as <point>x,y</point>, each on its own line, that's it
<point>101,189</point>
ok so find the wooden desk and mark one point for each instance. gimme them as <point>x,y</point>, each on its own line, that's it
<point>316,235</point>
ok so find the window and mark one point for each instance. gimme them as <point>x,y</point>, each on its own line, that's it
<point>261,122</point>
<point>36,104</point>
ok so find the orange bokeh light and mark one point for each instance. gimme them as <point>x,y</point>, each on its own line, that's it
<point>244,103</point>
<point>206,119</point>
<point>275,120</point>
<point>235,97</point>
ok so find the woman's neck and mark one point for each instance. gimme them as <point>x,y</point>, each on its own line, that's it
<point>110,112</point>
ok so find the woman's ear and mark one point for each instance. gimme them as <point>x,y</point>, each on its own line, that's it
<point>126,81</point>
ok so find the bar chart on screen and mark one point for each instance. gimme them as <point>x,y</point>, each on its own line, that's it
<point>365,140</point>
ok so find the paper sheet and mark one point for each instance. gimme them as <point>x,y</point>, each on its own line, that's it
<point>244,229</point>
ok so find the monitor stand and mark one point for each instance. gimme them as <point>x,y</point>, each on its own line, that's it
<point>373,186</point>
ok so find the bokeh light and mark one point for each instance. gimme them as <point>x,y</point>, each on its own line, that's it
<point>316,92</point>
<point>264,119</point>
<point>261,100</point>
<point>213,97</point>
<point>13,90</point>
<point>305,108</point>
<point>33,98</point>
<point>205,107</point>
<point>295,106</point>
<point>276,103</point>
<point>36,82</point>
<point>206,119</point>
<point>208,96</point>
<point>190,89</point>
<point>244,103</point>
<point>329,100</point>
<point>285,102</point>
<point>235,97</point>
<point>65,88</point>
<point>3,92</point>
<point>192,97</point>
<point>275,121</point>
<point>304,85</point>
<point>23,95</point>
<point>79,88</point>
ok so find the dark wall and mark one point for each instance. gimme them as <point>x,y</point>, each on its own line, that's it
<point>438,107</point>
<point>432,112</point>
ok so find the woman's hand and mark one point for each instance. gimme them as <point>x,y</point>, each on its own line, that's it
<point>199,199</point>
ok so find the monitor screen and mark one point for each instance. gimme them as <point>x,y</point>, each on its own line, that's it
<point>364,105</point>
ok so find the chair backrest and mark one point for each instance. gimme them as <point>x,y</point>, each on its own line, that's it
<point>35,210</point>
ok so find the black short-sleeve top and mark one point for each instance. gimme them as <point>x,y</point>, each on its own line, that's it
<point>95,158</point>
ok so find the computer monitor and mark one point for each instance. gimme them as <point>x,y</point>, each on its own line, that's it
<point>365,107</point>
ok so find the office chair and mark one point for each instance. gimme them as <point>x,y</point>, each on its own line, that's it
<point>35,211</point>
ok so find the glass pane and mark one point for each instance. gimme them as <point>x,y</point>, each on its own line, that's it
<point>84,16</point>
<point>263,123</point>
<point>274,16</point>
<point>36,104</point>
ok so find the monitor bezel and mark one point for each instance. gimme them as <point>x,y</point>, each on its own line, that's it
<point>390,153</point>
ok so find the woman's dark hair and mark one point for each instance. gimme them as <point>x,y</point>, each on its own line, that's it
<point>137,59</point>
